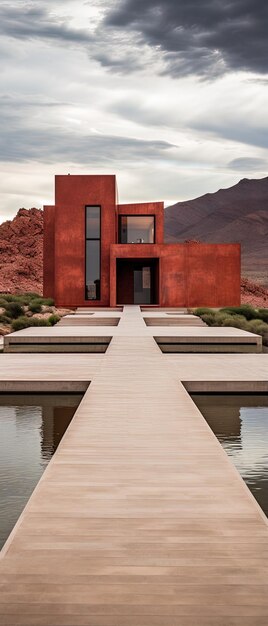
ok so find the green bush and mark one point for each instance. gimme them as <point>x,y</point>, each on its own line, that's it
<point>48,301</point>
<point>30,294</point>
<point>208,318</point>
<point>4,319</point>
<point>21,322</point>
<point>27,322</point>
<point>26,298</point>
<point>202,311</point>
<point>263,314</point>
<point>3,302</point>
<point>258,326</point>
<point>35,306</point>
<point>39,322</point>
<point>54,319</point>
<point>236,321</point>
<point>223,319</point>
<point>245,309</point>
<point>220,316</point>
<point>14,310</point>
<point>8,297</point>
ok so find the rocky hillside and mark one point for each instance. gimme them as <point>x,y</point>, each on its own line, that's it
<point>239,213</point>
<point>21,252</point>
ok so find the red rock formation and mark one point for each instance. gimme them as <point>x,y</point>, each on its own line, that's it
<point>252,293</point>
<point>21,252</point>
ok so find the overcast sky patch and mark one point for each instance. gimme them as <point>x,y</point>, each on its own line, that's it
<point>170,95</point>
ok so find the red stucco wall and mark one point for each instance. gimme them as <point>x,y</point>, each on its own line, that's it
<point>73,193</point>
<point>213,275</point>
<point>190,274</point>
<point>49,252</point>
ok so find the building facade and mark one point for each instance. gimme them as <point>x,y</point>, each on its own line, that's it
<point>101,253</point>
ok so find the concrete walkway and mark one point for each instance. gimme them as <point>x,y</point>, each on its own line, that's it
<point>140,518</point>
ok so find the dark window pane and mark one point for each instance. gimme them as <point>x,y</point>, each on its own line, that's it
<point>93,270</point>
<point>137,229</point>
<point>92,222</point>
<point>123,230</point>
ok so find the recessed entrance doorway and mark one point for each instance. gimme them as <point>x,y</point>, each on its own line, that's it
<point>137,281</point>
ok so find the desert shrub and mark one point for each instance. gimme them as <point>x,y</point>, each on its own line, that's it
<point>27,322</point>
<point>263,314</point>
<point>48,301</point>
<point>4,319</point>
<point>14,310</point>
<point>236,321</point>
<point>224,320</point>
<point>24,299</point>
<point>3,302</point>
<point>208,318</point>
<point>31,295</point>
<point>258,326</point>
<point>21,322</point>
<point>220,317</point>
<point>8,297</point>
<point>35,306</point>
<point>41,302</point>
<point>53,319</point>
<point>245,309</point>
<point>202,311</point>
<point>39,322</point>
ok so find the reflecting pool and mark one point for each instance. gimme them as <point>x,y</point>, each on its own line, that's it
<point>240,422</point>
<point>31,427</point>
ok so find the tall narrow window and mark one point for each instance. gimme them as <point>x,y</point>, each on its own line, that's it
<point>93,241</point>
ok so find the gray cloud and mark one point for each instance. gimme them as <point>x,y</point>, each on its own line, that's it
<point>139,112</point>
<point>233,131</point>
<point>248,164</point>
<point>35,22</point>
<point>19,144</point>
<point>9,102</point>
<point>207,37</point>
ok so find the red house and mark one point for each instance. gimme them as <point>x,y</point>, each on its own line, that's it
<point>101,253</point>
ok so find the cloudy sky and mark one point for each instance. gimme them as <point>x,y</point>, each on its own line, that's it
<point>170,95</point>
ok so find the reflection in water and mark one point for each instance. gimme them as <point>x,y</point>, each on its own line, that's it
<point>240,422</point>
<point>31,427</point>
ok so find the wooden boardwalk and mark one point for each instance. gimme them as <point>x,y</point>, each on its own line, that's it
<point>140,519</point>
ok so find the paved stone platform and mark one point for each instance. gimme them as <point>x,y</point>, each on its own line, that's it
<point>95,338</point>
<point>140,519</point>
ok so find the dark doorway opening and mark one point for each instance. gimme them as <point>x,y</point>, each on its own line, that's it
<point>137,281</point>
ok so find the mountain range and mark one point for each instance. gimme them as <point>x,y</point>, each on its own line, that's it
<point>237,214</point>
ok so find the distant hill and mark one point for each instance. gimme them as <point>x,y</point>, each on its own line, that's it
<point>238,214</point>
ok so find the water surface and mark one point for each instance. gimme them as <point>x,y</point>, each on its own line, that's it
<point>240,422</point>
<point>31,427</point>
